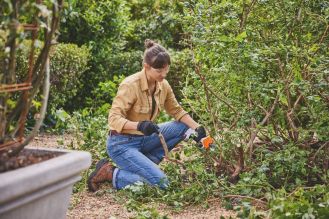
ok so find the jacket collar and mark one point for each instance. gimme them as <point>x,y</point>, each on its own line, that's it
<point>144,84</point>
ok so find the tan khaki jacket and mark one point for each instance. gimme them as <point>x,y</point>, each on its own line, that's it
<point>134,103</point>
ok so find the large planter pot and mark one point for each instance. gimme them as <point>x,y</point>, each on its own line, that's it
<point>42,190</point>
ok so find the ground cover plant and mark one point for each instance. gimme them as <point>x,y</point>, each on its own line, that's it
<point>254,73</point>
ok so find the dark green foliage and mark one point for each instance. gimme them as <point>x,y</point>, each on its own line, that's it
<point>259,75</point>
<point>301,203</point>
<point>68,63</point>
<point>115,32</point>
<point>179,69</point>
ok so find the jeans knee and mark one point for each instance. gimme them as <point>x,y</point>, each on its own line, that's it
<point>183,126</point>
<point>179,128</point>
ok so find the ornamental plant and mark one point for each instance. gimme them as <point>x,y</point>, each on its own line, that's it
<point>39,22</point>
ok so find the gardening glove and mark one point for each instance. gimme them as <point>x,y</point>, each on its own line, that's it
<point>148,127</point>
<point>200,134</point>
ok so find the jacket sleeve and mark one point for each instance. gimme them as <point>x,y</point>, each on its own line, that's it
<point>122,103</point>
<point>172,106</point>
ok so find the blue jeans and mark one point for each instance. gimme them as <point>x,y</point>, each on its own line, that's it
<point>137,157</point>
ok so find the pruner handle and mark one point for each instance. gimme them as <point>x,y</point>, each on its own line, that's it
<point>207,142</point>
<point>164,144</point>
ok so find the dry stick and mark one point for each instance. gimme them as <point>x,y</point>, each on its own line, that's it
<point>322,146</point>
<point>235,122</point>
<point>306,187</point>
<point>248,197</point>
<point>165,148</point>
<point>253,126</point>
<point>194,111</point>
<point>294,133</point>
<point>206,89</point>
<point>12,45</point>
<point>229,105</point>
<point>265,119</point>
<point>221,99</point>
<point>240,166</point>
<point>289,115</point>
<point>54,26</point>
<point>23,115</point>
<point>295,105</point>
<point>197,71</point>
<point>324,97</point>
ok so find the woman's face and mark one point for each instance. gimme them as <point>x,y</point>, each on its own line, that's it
<point>157,74</point>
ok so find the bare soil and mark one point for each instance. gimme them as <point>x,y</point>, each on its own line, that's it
<point>25,158</point>
<point>105,203</point>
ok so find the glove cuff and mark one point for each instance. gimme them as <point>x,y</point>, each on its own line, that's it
<point>140,125</point>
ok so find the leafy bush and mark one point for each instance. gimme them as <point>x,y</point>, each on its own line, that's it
<point>115,31</point>
<point>301,203</point>
<point>68,63</point>
<point>258,85</point>
<point>180,66</point>
<point>104,93</point>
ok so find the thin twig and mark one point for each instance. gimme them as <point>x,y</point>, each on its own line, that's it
<point>322,146</point>
<point>265,119</point>
<point>245,14</point>
<point>247,197</point>
<point>224,101</point>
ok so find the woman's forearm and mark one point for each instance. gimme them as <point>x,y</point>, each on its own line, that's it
<point>187,120</point>
<point>130,125</point>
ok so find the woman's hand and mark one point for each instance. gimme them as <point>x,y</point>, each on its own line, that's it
<point>201,133</point>
<point>148,127</point>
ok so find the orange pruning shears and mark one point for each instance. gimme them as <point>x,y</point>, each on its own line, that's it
<point>206,142</point>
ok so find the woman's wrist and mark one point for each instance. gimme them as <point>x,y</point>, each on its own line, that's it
<point>187,119</point>
<point>130,125</point>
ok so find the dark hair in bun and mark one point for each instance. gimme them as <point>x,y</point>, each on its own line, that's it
<point>155,55</point>
<point>148,43</point>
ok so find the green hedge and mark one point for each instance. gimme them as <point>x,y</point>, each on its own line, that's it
<point>181,64</point>
<point>68,63</point>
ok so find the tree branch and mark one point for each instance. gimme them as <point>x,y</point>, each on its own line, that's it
<point>254,133</point>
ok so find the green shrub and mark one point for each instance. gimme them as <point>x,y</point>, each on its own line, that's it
<point>115,31</point>
<point>180,66</point>
<point>301,203</point>
<point>243,70</point>
<point>68,63</point>
<point>105,92</point>
<point>260,86</point>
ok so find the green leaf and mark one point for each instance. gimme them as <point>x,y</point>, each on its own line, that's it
<point>241,36</point>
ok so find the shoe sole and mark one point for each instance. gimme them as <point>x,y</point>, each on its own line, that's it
<point>98,166</point>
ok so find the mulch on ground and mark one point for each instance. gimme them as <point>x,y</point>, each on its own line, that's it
<point>105,204</point>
